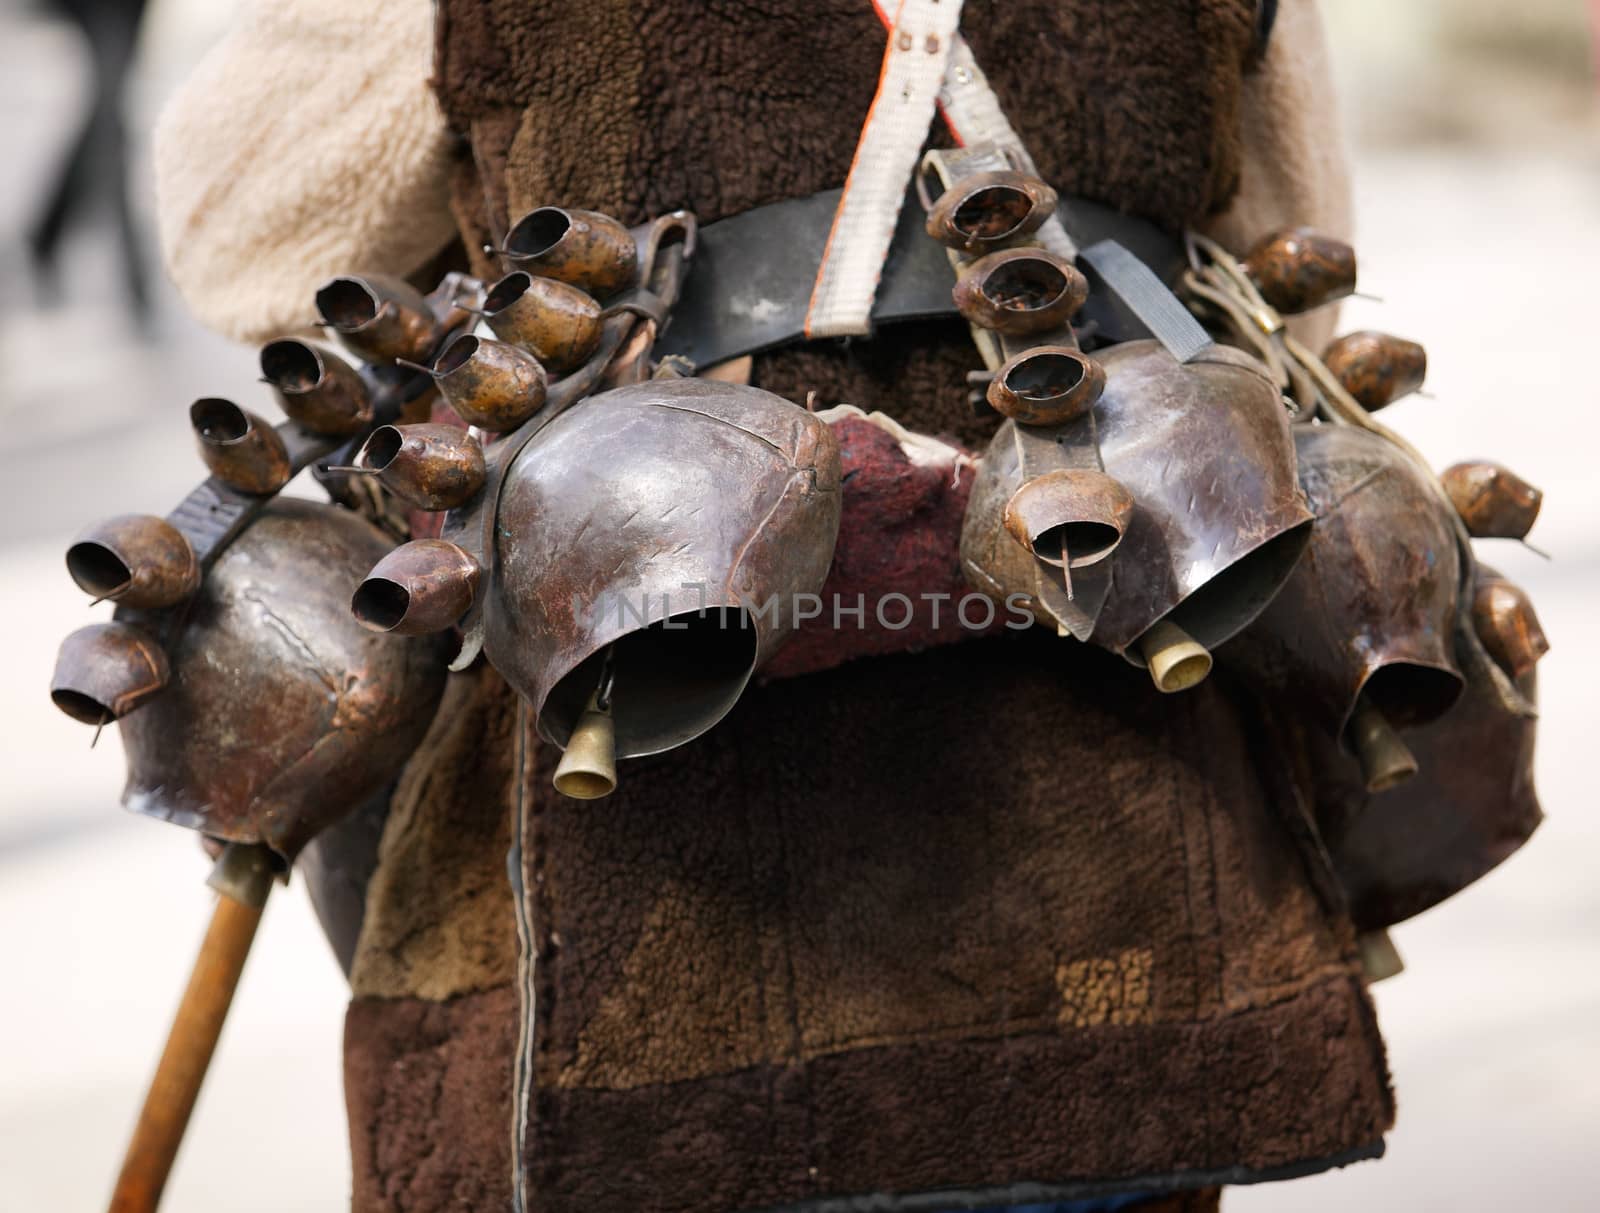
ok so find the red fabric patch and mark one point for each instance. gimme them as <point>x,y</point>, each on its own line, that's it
<point>898,557</point>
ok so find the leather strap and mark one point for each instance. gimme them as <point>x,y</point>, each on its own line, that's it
<point>847,277</point>
<point>752,274</point>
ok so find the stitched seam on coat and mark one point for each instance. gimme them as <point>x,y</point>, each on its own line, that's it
<point>522,1073</point>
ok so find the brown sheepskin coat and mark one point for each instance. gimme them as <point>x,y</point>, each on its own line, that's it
<point>993,920</point>
<point>988,923</point>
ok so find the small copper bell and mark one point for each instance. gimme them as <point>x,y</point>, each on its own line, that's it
<point>1020,292</point>
<point>555,322</point>
<point>1376,368</point>
<point>490,384</point>
<point>418,589</point>
<point>1298,269</point>
<point>589,250</point>
<point>1047,385</point>
<point>378,318</point>
<point>986,211</point>
<point>135,560</point>
<point>316,389</point>
<point>1493,501</point>
<point>239,448</point>
<point>431,467</point>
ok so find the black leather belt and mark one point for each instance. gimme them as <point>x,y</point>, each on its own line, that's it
<point>751,278</point>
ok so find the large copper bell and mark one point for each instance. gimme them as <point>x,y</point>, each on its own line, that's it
<point>644,530</point>
<point>648,548</point>
<point>281,713</point>
<point>1217,523</point>
<point>1470,806</point>
<point>1363,633</point>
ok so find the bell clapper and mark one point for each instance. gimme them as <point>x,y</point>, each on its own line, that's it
<point>243,877</point>
<point>1386,761</point>
<point>1176,659</point>
<point>1380,959</point>
<point>588,766</point>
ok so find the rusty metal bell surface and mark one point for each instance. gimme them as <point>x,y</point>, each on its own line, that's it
<point>1492,500</point>
<point>986,211</point>
<point>994,559</point>
<point>379,318</point>
<point>1298,269</point>
<point>239,448</point>
<point>584,248</point>
<point>490,384</point>
<point>282,713</point>
<point>625,516</point>
<point>1046,385</point>
<point>1371,611</point>
<point>1219,520</point>
<point>1376,368</point>
<point>1470,806</point>
<point>1019,292</point>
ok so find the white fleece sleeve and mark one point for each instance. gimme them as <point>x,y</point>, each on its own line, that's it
<point>1295,170</point>
<point>306,144</point>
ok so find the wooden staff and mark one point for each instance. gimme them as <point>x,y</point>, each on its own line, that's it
<point>243,877</point>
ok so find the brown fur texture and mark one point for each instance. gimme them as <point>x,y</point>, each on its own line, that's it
<point>987,915</point>
<point>426,1088</point>
<point>439,917</point>
<point>638,108</point>
<point>984,915</point>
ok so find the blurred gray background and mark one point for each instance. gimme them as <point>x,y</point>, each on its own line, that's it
<point>1473,124</point>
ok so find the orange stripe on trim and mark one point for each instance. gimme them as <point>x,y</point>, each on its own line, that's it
<point>827,249</point>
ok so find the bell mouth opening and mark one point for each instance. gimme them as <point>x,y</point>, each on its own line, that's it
<point>1411,693</point>
<point>291,366</point>
<point>347,304</point>
<point>382,448</point>
<point>1026,284</point>
<point>218,422</point>
<point>82,707</point>
<point>380,604</point>
<point>456,355</point>
<point>1045,377</point>
<point>671,681</point>
<point>506,292</point>
<point>97,570</point>
<point>993,213</point>
<point>538,232</point>
<point>585,785</point>
<point>1228,603</point>
<point>1190,670</point>
<point>1076,544</point>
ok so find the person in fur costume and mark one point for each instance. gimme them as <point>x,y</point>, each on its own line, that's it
<point>984,925</point>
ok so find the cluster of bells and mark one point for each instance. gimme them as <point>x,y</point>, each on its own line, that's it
<point>1235,495</point>
<point>1154,507</point>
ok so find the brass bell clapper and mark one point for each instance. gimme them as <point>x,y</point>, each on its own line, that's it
<point>588,766</point>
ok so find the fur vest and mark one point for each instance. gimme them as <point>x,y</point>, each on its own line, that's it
<point>989,924</point>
